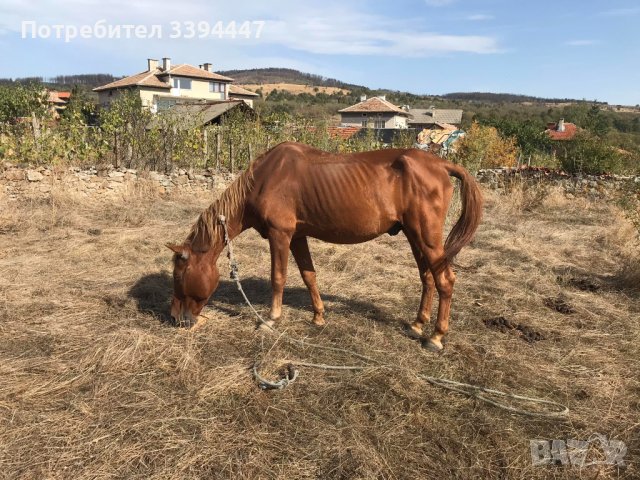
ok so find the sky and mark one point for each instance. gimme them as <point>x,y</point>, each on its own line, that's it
<point>582,49</point>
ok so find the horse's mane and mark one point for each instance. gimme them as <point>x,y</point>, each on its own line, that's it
<point>207,228</point>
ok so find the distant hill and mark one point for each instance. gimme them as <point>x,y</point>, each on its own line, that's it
<point>90,80</point>
<point>270,77</point>
<point>284,75</point>
<point>488,97</point>
<point>294,88</point>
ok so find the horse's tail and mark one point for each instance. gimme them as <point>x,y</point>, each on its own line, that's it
<point>463,231</point>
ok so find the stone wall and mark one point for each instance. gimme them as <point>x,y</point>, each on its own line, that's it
<point>601,186</point>
<point>17,181</point>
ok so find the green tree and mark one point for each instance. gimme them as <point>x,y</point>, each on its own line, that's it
<point>484,147</point>
<point>588,154</point>
<point>529,135</point>
<point>18,101</point>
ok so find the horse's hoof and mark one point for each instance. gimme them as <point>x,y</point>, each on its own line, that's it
<point>267,326</point>
<point>432,345</point>
<point>411,332</point>
<point>319,321</point>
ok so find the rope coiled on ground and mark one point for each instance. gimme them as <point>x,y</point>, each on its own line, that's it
<point>478,392</point>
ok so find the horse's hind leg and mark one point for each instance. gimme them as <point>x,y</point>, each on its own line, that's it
<point>427,236</point>
<point>444,279</point>
<point>428,291</point>
<point>300,250</point>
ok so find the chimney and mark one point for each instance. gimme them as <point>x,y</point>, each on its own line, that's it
<point>208,67</point>
<point>560,126</point>
<point>382,97</point>
<point>363,98</point>
<point>151,64</point>
<point>166,64</point>
<point>200,67</point>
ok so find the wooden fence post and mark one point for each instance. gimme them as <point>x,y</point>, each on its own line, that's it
<point>218,146</point>
<point>205,139</point>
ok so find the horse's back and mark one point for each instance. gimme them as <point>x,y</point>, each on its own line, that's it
<point>338,198</point>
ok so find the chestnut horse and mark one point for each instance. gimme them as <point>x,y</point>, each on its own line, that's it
<point>294,191</point>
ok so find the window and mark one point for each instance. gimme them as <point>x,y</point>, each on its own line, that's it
<point>378,124</point>
<point>365,124</point>
<point>182,83</point>
<point>216,87</point>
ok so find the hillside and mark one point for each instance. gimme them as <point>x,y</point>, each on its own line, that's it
<point>489,97</point>
<point>65,82</point>
<point>284,75</point>
<point>294,88</point>
<point>287,78</point>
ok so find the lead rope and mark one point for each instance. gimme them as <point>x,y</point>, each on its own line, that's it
<point>291,373</point>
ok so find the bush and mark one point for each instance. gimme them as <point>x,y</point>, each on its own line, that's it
<point>588,154</point>
<point>484,147</point>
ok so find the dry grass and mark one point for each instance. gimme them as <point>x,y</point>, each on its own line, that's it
<point>294,88</point>
<point>94,383</point>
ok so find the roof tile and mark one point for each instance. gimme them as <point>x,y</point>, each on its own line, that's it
<point>374,104</point>
<point>238,90</point>
<point>156,78</point>
<point>570,130</point>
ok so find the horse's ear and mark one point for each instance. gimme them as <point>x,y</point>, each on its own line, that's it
<point>179,250</point>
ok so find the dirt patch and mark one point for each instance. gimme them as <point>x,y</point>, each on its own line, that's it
<point>505,325</point>
<point>559,304</point>
<point>583,283</point>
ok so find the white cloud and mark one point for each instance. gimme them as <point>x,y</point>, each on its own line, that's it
<point>334,28</point>
<point>620,12</point>
<point>362,34</point>
<point>581,43</point>
<point>478,17</point>
<point>439,3</point>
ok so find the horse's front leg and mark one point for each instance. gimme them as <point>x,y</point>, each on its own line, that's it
<point>300,250</point>
<point>279,243</point>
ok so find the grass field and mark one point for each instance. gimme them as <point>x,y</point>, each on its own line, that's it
<point>94,383</point>
<point>293,88</point>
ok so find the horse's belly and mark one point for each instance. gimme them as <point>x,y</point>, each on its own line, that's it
<point>343,232</point>
<point>341,237</point>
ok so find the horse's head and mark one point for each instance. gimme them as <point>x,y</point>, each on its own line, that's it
<point>195,278</point>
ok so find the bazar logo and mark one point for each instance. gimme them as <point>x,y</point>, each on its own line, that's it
<point>597,450</point>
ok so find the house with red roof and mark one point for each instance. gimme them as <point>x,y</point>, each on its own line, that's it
<point>58,101</point>
<point>161,86</point>
<point>374,112</point>
<point>561,131</point>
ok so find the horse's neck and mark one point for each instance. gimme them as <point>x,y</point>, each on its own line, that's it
<point>233,226</point>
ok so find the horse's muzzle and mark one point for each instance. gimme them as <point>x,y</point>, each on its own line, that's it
<point>183,319</point>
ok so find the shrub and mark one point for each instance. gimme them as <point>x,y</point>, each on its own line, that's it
<point>484,147</point>
<point>588,154</point>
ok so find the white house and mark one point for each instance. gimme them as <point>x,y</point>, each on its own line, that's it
<point>166,83</point>
<point>374,112</point>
